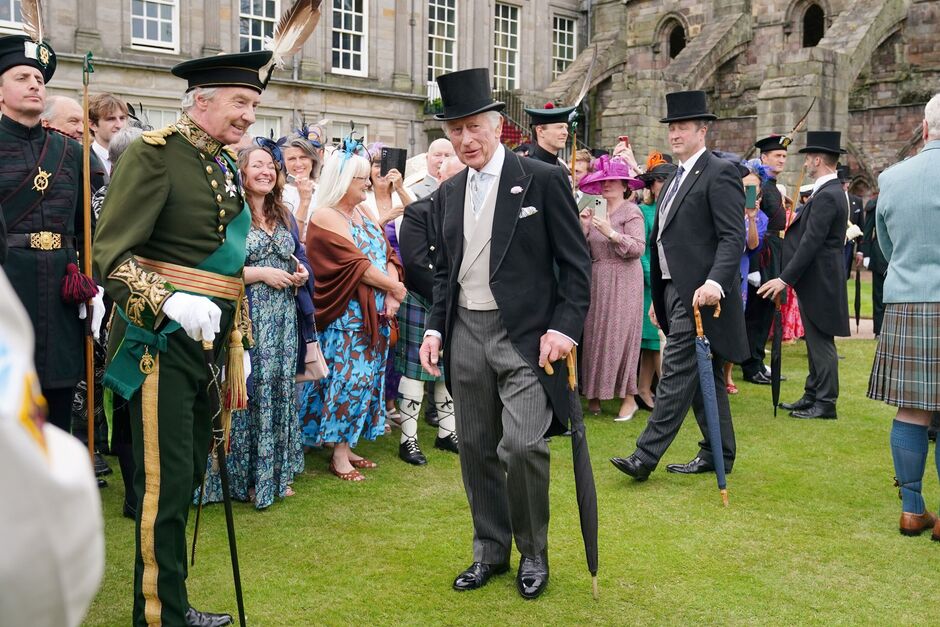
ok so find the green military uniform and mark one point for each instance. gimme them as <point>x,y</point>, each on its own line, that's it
<point>40,193</point>
<point>173,204</point>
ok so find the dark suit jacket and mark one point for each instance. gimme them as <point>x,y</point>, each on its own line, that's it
<point>703,238</point>
<point>524,253</point>
<point>869,245</point>
<point>417,242</point>
<point>813,259</point>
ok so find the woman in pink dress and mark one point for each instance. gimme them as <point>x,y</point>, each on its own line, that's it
<point>613,329</point>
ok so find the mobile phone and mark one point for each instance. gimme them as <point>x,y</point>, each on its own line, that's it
<point>290,179</point>
<point>600,208</point>
<point>750,196</point>
<point>393,158</point>
<point>625,139</point>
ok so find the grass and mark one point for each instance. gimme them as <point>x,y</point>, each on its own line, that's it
<point>810,537</point>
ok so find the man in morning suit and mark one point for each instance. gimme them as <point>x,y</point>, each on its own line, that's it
<point>511,290</point>
<point>815,268</point>
<point>699,235</point>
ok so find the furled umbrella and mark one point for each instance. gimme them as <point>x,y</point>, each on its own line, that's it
<point>583,472</point>
<point>706,377</point>
<point>776,350</point>
<point>858,295</point>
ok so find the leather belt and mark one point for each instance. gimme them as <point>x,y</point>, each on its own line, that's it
<point>42,240</point>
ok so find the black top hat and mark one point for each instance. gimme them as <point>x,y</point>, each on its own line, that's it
<point>225,70</point>
<point>465,93</point>
<point>687,105</point>
<point>774,142</point>
<point>844,175</point>
<point>21,50</point>
<point>549,114</point>
<point>824,141</point>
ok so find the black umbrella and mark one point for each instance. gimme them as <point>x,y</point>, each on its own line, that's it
<point>706,378</point>
<point>776,353</point>
<point>858,297</point>
<point>218,435</point>
<point>583,472</point>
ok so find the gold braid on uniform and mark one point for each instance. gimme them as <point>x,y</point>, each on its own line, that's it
<point>158,137</point>
<point>148,289</point>
<point>196,136</point>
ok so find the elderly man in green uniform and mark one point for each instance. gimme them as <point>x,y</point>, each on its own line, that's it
<point>40,192</point>
<point>170,245</point>
<point>550,131</point>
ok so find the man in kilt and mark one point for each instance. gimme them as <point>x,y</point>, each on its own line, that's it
<point>418,244</point>
<point>906,371</point>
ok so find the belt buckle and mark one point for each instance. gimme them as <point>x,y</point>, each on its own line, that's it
<point>45,240</point>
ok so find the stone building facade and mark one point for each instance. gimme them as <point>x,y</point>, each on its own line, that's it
<point>368,60</point>
<point>870,65</point>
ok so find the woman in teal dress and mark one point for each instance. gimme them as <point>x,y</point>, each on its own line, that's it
<point>265,445</point>
<point>657,171</point>
<point>358,291</point>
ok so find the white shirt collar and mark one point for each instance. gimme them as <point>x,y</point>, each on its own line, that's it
<point>822,180</point>
<point>688,164</point>
<point>494,166</point>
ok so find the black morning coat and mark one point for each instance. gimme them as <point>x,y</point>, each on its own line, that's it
<point>813,259</point>
<point>417,241</point>
<point>703,238</point>
<point>524,253</point>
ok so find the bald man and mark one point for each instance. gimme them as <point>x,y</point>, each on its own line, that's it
<point>63,114</point>
<point>439,150</point>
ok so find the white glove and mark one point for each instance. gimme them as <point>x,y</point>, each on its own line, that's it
<point>754,279</point>
<point>246,364</point>
<point>852,232</point>
<point>865,262</point>
<point>198,315</point>
<point>97,312</point>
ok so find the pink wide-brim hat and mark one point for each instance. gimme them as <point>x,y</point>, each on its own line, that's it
<point>607,169</point>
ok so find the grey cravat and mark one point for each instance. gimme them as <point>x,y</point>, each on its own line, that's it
<point>477,192</point>
<point>671,192</point>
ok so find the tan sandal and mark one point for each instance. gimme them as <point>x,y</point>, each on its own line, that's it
<point>353,475</point>
<point>362,462</point>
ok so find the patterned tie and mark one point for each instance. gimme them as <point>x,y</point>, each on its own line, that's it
<point>671,192</point>
<point>477,192</point>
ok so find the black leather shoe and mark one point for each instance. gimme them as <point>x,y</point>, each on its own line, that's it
<point>430,416</point>
<point>694,467</point>
<point>759,378</point>
<point>632,466</point>
<point>129,512</point>
<point>195,618</point>
<point>804,403</point>
<point>101,466</point>
<point>823,411</point>
<point>409,451</point>
<point>532,577</point>
<point>477,575</point>
<point>102,483</point>
<point>447,443</point>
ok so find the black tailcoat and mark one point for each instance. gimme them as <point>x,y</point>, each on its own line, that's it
<point>417,241</point>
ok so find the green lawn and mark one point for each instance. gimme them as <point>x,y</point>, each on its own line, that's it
<point>810,537</point>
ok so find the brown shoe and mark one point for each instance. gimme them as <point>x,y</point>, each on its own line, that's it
<point>916,524</point>
<point>935,536</point>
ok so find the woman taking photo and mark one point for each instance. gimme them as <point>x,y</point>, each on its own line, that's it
<point>302,163</point>
<point>266,451</point>
<point>358,289</point>
<point>614,324</point>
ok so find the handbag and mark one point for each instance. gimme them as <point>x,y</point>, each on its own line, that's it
<point>314,364</point>
<point>393,333</point>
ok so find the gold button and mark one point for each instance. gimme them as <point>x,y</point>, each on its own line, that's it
<point>214,184</point>
<point>222,213</point>
<point>221,228</point>
<point>208,169</point>
<point>218,198</point>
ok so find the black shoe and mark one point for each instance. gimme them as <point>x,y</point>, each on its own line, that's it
<point>824,411</point>
<point>102,483</point>
<point>532,577</point>
<point>129,512</point>
<point>430,416</point>
<point>694,467</point>
<point>101,466</point>
<point>447,443</point>
<point>195,618</point>
<point>759,378</point>
<point>804,403</point>
<point>477,575</point>
<point>643,404</point>
<point>409,451</point>
<point>632,466</point>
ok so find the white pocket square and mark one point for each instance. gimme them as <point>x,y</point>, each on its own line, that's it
<point>525,212</point>
<point>515,190</point>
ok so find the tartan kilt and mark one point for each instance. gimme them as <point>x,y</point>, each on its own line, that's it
<point>906,372</point>
<point>412,319</point>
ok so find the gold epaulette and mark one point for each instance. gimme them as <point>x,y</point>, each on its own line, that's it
<point>231,153</point>
<point>158,137</point>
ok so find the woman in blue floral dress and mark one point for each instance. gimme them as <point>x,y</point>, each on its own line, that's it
<point>358,289</point>
<point>265,446</point>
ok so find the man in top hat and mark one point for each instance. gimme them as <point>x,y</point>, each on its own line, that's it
<point>170,245</point>
<point>40,192</point>
<point>698,234</point>
<point>511,290</point>
<point>759,312</point>
<point>814,267</point>
<point>550,130</point>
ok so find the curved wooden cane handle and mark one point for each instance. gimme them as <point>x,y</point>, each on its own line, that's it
<point>698,318</point>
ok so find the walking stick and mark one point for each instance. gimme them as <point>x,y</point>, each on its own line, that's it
<point>87,69</point>
<point>202,494</point>
<point>218,435</point>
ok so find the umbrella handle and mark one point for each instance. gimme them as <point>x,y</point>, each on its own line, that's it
<point>572,362</point>
<point>698,318</point>
<point>548,368</point>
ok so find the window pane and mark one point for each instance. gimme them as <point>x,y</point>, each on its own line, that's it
<point>152,31</point>
<point>151,9</point>
<point>137,28</point>
<point>137,7</point>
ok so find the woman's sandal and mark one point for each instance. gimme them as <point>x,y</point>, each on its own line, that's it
<point>362,462</point>
<point>353,475</point>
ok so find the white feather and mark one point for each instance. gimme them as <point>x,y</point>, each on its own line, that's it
<point>32,19</point>
<point>293,29</point>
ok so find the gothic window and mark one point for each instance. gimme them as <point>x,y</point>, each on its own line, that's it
<point>676,40</point>
<point>814,25</point>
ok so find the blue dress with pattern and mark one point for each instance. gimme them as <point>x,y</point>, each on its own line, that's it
<point>349,403</point>
<point>265,447</point>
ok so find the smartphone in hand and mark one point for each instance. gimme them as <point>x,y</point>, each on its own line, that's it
<point>600,208</point>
